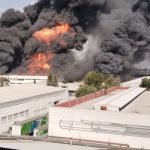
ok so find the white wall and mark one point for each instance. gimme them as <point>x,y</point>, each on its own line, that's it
<point>57,114</point>
<point>35,107</point>
<point>16,130</point>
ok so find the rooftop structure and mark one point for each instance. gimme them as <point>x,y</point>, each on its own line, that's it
<point>120,100</point>
<point>91,103</point>
<point>27,79</point>
<point>140,105</point>
<point>21,92</point>
<point>123,128</point>
<point>135,82</point>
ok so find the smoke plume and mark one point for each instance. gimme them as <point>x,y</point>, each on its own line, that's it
<point>127,43</point>
<point>106,36</point>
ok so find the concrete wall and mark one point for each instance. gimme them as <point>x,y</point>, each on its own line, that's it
<point>59,114</point>
<point>29,109</point>
<point>16,130</point>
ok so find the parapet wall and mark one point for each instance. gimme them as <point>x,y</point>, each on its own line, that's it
<point>90,97</point>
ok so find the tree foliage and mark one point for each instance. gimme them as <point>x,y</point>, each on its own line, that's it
<point>111,81</point>
<point>4,81</point>
<point>100,81</point>
<point>145,83</point>
<point>52,81</point>
<point>94,81</point>
<point>55,81</point>
<point>85,90</point>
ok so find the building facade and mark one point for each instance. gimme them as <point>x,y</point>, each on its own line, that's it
<point>31,104</point>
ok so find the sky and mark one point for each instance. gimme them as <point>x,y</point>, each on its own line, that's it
<point>16,4</point>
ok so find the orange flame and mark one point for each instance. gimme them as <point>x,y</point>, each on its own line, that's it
<point>40,63</point>
<point>47,35</point>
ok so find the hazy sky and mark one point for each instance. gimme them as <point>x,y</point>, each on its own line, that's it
<point>17,4</point>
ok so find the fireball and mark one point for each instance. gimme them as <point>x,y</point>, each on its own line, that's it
<point>47,35</point>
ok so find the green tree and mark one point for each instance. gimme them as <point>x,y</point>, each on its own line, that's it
<point>1,82</point>
<point>4,81</point>
<point>85,90</point>
<point>111,81</point>
<point>145,83</point>
<point>94,79</point>
<point>55,82</point>
<point>52,81</point>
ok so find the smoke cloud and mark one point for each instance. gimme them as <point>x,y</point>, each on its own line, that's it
<point>106,36</point>
<point>121,48</point>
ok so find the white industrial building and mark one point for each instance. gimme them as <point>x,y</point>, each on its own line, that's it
<point>132,130</point>
<point>28,79</point>
<point>119,101</point>
<point>22,102</point>
<point>24,79</point>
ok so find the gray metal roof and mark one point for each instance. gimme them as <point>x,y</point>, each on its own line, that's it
<point>20,92</point>
<point>121,99</point>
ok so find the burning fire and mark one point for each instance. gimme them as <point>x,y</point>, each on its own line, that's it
<point>40,63</point>
<point>47,35</point>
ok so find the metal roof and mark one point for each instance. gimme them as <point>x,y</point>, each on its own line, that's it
<point>114,97</point>
<point>90,104</point>
<point>19,92</point>
<point>122,98</point>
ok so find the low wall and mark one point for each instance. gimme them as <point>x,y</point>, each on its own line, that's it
<point>90,97</point>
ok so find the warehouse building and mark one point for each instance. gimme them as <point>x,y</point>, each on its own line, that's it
<point>128,129</point>
<point>22,102</point>
<point>24,79</point>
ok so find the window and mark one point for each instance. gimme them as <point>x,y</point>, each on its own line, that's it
<point>10,117</point>
<point>4,119</point>
<point>22,114</point>
<point>26,112</point>
<point>16,116</point>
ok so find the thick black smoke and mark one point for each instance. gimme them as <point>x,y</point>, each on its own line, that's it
<point>13,28</point>
<point>16,30</point>
<point>116,31</point>
<point>127,43</point>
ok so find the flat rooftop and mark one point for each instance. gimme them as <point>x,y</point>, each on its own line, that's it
<point>18,92</point>
<point>140,104</point>
<point>90,104</point>
<point>134,83</point>
<point>72,114</point>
